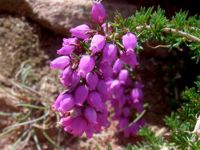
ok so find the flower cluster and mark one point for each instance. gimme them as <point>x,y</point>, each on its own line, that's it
<point>94,69</point>
<point>127,96</point>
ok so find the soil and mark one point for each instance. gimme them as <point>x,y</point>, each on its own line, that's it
<point>25,52</point>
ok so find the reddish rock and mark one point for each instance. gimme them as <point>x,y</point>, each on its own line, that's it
<point>60,15</point>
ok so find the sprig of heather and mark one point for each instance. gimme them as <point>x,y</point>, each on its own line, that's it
<point>93,70</point>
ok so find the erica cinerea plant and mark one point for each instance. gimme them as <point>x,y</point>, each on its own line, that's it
<point>96,71</point>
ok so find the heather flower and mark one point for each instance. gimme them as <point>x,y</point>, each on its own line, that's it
<point>139,107</point>
<point>105,69</point>
<point>92,80</point>
<point>90,114</point>
<point>94,100</point>
<point>66,76</point>
<point>81,94</point>
<point>65,121</point>
<point>56,103</point>
<point>118,65</point>
<point>70,41</point>
<point>123,123</point>
<point>68,46</point>
<point>66,50</point>
<point>132,130</point>
<point>89,130</point>
<point>129,41</point>
<point>102,88</point>
<point>77,126</point>
<point>67,103</point>
<point>129,57</point>
<point>126,111</point>
<point>60,62</point>
<point>123,76</point>
<point>93,77</point>
<point>102,119</point>
<point>98,13</point>
<point>109,53</point>
<point>75,79</point>
<point>136,93</point>
<point>116,89</point>
<point>81,31</point>
<point>97,43</point>
<point>86,65</point>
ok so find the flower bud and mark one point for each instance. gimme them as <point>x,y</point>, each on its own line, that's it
<point>86,65</point>
<point>75,79</point>
<point>98,13</point>
<point>102,119</point>
<point>68,46</point>
<point>66,76</point>
<point>126,111</point>
<point>97,43</point>
<point>78,126</point>
<point>136,93</point>
<point>129,41</point>
<point>94,99</point>
<point>89,130</point>
<point>102,88</point>
<point>123,123</point>
<point>139,107</point>
<point>92,80</point>
<point>90,114</point>
<point>123,76</point>
<point>106,69</point>
<point>67,103</point>
<point>109,53</point>
<point>80,31</point>
<point>81,94</point>
<point>118,65</point>
<point>66,121</point>
<point>60,62</point>
<point>129,57</point>
<point>56,103</point>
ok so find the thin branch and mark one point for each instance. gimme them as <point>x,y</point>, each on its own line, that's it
<point>35,138</point>
<point>27,122</point>
<point>158,46</point>
<point>171,30</point>
<point>32,106</point>
<point>136,119</point>
<point>184,34</point>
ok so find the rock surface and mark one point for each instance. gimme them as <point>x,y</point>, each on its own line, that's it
<point>60,15</point>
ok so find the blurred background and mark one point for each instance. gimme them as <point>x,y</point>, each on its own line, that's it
<point>30,33</point>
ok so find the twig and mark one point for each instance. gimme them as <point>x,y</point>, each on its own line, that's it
<point>8,114</point>
<point>32,106</point>
<point>171,30</point>
<point>27,122</point>
<point>197,126</point>
<point>187,35</point>
<point>35,138</point>
<point>21,146</point>
<point>50,140</point>
<point>24,88</point>
<point>158,46</point>
<point>134,121</point>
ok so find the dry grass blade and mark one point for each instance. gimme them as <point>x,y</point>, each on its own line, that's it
<point>12,127</point>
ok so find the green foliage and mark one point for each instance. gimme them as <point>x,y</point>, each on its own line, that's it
<point>175,33</point>
<point>180,123</point>
<point>151,141</point>
<point>152,25</point>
